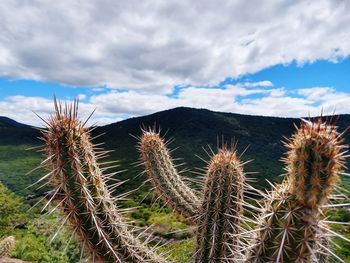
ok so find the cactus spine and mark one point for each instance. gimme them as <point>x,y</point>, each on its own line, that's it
<point>165,178</point>
<point>221,209</point>
<point>290,228</point>
<point>6,246</point>
<point>83,195</point>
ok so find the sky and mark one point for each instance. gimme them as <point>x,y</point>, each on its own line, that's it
<point>286,58</point>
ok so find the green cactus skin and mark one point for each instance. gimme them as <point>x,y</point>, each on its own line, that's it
<point>83,195</point>
<point>290,228</point>
<point>165,178</point>
<point>6,246</point>
<point>221,209</point>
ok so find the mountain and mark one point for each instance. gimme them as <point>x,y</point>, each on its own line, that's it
<point>4,121</point>
<point>12,132</point>
<point>193,130</point>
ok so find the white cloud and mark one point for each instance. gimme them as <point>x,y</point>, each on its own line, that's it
<point>23,109</point>
<point>132,102</point>
<point>265,83</point>
<point>266,102</point>
<point>153,45</point>
<point>136,103</point>
<point>279,92</point>
<point>114,106</point>
<point>316,93</point>
<point>328,99</point>
<point>237,99</point>
<point>81,96</point>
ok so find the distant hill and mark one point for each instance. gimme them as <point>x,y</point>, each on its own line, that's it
<point>192,130</point>
<point>195,129</point>
<point>4,121</point>
<point>12,132</point>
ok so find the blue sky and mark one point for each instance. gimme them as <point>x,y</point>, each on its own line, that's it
<point>287,59</point>
<point>321,73</point>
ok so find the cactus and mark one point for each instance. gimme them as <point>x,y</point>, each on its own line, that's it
<point>165,178</point>
<point>6,246</point>
<point>221,209</point>
<point>290,228</point>
<point>83,195</point>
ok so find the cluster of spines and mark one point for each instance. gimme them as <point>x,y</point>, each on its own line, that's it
<point>6,246</point>
<point>291,227</point>
<point>82,193</point>
<point>221,209</point>
<point>165,178</point>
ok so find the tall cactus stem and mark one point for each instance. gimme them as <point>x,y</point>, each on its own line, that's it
<point>221,209</point>
<point>291,227</point>
<point>165,178</point>
<point>83,195</point>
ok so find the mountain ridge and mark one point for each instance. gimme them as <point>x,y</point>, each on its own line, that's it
<point>14,123</point>
<point>191,131</point>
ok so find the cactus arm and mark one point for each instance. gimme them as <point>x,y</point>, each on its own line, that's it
<point>290,228</point>
<point>165,178</point>
<point>221,209</point>
<point>83,194</point>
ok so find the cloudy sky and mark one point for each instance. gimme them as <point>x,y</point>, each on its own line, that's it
<point>131,58</point>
